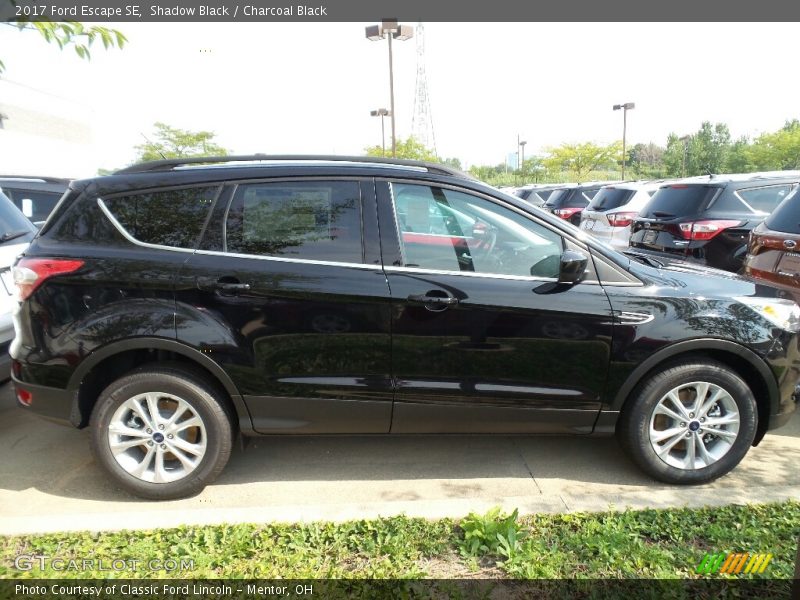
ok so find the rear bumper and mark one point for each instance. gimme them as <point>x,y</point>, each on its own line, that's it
<point>50,403</point>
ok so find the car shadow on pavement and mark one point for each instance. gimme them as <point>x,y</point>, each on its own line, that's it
<point>56,461</point>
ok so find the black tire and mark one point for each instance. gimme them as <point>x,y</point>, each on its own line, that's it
<point>633,430</point>
<point>207,403</point>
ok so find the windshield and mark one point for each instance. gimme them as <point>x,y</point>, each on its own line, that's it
<point>610,197</point>
<point>13,224</point>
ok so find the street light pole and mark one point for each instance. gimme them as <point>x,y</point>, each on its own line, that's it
<point>685,139</point>
<point>381,112</point>
<point>522,159</point>
<point>625,108</point>
<point>389,29</point>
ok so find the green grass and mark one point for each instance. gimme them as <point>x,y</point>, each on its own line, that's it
<point>663,544</point>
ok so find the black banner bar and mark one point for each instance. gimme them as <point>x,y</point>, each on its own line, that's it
<point>408,10</point>
<point>370,589</point>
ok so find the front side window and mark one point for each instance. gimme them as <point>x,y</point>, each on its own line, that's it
<point>448,230</point>
<point>312,220</point>
<point>167,218</point>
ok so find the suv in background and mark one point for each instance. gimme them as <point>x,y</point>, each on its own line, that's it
<point>538,193</point>
<point>613,208</point>
<point>773,251</point>
<point>15,233</point>
<point>36,197</point>
<point>177,303</point>
<point>569,202</point>
<point>708,219</point>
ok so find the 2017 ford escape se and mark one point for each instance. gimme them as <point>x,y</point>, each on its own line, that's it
<point>176,304</point>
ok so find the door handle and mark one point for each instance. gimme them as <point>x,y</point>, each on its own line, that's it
<point>232,287</point>
<point>434,300</point>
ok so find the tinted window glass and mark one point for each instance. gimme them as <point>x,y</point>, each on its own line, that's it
<point>446,230</point>
<point>679,200</point>
<point>41,203</point>
<point>608,198</point>
<point>765,199</point>
<point>312,220</point>
<point>168,218</point>
<point>15,228</point>
<point>786,217</point>
<point>555,197</point>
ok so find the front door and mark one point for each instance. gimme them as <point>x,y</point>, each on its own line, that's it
<point>483,339</point>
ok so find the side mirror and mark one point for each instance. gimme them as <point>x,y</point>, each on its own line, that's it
<point>572,267</point>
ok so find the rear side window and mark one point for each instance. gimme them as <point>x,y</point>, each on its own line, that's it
<point>679,200</point>
<point>786,217</point>
<point>313,220</point>
<point>765,199</point>
<point>167,218</point>
<point>608,198</point>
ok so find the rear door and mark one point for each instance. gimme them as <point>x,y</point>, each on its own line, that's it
<point>287,293</point>
<point>483,340</point>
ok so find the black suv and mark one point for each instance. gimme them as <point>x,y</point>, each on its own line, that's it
<point>176,304</point>
<point>36,197</point>
<point>569,202</point>
<point>708,219</point>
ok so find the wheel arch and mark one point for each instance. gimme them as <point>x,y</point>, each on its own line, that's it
<point>104,365</point>
<point>746,363</point>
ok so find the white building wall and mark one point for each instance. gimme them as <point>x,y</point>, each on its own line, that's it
<point>44,134</point>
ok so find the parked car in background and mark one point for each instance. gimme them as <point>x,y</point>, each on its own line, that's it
<point>36,197</point>
<point>708,219</point>
<point>613,208</point>
<point>177,303</point>
<point>568,202</point>
<point>16,232</point>
<point>773,251</point>
<point>538,193</point>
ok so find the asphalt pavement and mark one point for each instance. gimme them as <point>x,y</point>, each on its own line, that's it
<point>49,481</point>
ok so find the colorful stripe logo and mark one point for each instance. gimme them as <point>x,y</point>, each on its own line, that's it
<point>733,563</point>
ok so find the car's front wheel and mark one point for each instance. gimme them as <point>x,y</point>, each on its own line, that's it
<point>161,432</point>
<point>689,423</point>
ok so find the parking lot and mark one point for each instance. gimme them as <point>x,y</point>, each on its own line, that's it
<point>49,481</point>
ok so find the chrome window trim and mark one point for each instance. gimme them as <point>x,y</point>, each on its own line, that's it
<point>283,259</point>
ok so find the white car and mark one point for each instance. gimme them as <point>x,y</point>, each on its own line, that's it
<point>610,213</point>
<point>16,231</point>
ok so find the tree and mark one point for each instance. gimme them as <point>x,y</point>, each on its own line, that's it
<point>778,150</point>
<point>179,143</point>
<point>646,159</point>
<point>581,159</point>
<point>71,33</point>
<point>409,148</point>
<point>453,162</point>
<point>706,151</point>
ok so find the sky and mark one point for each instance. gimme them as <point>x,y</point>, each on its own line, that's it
<point>309,87</point>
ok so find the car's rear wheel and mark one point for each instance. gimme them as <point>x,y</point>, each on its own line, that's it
<point>161,432</point>
<point>689,423</point>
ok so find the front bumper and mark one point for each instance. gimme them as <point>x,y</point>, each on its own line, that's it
<point>50,403</point>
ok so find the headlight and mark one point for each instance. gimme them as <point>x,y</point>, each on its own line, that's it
<point>782,313</point>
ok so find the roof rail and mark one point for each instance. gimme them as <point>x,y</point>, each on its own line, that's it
<point>38,177</point>
<point>171,163</point>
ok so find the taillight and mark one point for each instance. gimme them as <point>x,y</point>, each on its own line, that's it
<point>705,230</point>
<point>30,273</point>
<point>566,213</point>
<point>24,397</point>
<point>622,219</point>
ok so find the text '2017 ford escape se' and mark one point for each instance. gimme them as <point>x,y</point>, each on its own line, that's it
<point>176,304</point>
